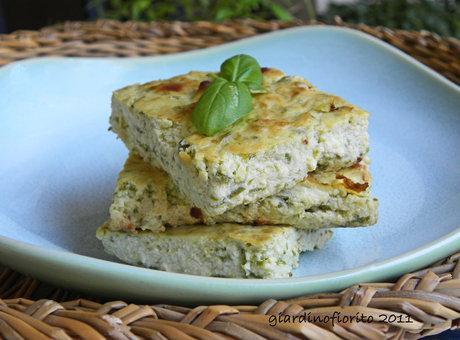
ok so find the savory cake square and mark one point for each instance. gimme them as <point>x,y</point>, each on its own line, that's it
<point>146,198</point>
<point>224,250</point>
<point>293,129</point>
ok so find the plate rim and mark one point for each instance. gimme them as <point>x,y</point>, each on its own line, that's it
<point>259,37</point>
<point>15,252</point>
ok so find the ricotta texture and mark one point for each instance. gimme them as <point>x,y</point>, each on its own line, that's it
<point>226,250</point>
<point>146,198</point>
<point>292,130</point>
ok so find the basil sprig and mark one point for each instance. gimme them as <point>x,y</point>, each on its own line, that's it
<point>223,103</point>
<point>243,68</point>
<point>228,98</point>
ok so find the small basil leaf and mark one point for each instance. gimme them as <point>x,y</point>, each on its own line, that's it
<point>222,104</point>
<point>243,68</point>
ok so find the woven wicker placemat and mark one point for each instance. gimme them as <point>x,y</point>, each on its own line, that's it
<point>112,38</point>
<point>417,304</point>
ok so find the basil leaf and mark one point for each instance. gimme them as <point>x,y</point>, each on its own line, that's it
<point>243,68</point>
<point>244,99</point>
<point>222,104</point>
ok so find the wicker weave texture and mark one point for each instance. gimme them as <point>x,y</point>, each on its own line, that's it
<point>418,304</point>
<point>112,38</point>
<point>423,303</point>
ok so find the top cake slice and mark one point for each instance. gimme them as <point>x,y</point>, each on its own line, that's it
<point>293,129</point>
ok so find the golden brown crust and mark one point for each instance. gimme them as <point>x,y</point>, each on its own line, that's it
<point>290,104</point>
<point>350,185</point>
<point>355,179</point>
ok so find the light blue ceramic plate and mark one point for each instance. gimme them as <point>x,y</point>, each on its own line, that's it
<point>59,165</point>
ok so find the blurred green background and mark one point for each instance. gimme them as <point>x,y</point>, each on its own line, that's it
<point>440,16</point>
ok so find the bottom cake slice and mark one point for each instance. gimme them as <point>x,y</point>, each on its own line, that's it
<point>223,250</point>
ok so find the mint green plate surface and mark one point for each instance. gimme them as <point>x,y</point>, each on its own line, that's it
<point>59,165</point>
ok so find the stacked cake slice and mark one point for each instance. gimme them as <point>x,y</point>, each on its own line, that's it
<point>246,201</point>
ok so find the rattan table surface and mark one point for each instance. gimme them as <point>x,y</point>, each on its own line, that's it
<point>429,298</point>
